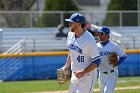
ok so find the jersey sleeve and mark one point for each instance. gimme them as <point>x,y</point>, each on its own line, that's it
<point>67,42</point>
<point>68,38</point>
<point>120,51</point>
<point>93,50</point>
<point>122,55</point>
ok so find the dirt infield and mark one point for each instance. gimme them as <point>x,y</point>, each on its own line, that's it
<point>117,88</point>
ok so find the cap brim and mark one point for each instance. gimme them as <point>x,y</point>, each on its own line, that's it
<point>98,30</point>
<point>68,20</point>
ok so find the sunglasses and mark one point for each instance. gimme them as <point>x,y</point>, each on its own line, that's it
<point>101,34</point>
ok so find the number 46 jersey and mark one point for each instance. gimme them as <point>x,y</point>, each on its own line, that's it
<point>82,50</point>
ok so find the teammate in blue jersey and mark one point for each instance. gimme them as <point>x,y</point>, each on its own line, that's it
<point>83,56</point>
<point>108,74</point>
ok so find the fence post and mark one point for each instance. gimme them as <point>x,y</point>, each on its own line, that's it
<point>30,19</point>
<point>1,39</point>
<point>121,22</point>
<point>138,13</point>
<point>134,42</point>
<point>34,44</point>
<point>62,18</point>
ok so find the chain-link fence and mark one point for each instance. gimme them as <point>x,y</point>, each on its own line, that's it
<point>53,18</point>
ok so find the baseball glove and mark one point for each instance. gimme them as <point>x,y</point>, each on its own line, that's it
<point>63,76</point>
<point>113,58</point>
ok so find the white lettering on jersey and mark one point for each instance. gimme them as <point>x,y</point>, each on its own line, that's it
<point>76,48</point>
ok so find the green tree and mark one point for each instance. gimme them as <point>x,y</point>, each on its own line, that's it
<point>51,19</point>
<point>15,19</point>
<point>128,19</point>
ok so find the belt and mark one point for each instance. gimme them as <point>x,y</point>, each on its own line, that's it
<point>108,72</point>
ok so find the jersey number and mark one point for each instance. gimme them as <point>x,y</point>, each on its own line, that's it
<point>80,58</point>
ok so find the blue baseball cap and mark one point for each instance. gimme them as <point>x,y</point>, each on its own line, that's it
<point>76,17</point>
<point>104,29</point>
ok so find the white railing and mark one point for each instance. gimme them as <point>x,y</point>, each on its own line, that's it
<point>43,39</point>
<point>17,48</point>
<point>36,39</point>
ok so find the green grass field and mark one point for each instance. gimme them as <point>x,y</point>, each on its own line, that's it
<point>52,85</point>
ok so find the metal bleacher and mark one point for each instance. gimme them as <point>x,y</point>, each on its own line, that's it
<point>35,39</point>
<point>130,36</point>
<point>43,39</point>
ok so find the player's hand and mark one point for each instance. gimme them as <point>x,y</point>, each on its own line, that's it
<point>64,68</point>
<point>79,74</point>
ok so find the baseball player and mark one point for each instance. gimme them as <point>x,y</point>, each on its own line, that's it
<point>83,56</point>
<point>108,74</point>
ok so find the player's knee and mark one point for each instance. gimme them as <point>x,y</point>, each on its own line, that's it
<point>109,91</point>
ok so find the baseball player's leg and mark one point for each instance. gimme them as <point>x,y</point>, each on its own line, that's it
<point>73,84</point>
<point>84,84</point>
<point>102,79</point>
<point>111,82</point>
<point>102,87</point>
<point>87,82</point>
<point>73,87</point>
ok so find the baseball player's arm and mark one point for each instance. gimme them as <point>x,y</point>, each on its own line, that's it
<point>121,59</point>
<point>67,64</point>
<point>122,55</point>
<point>91,67</point>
